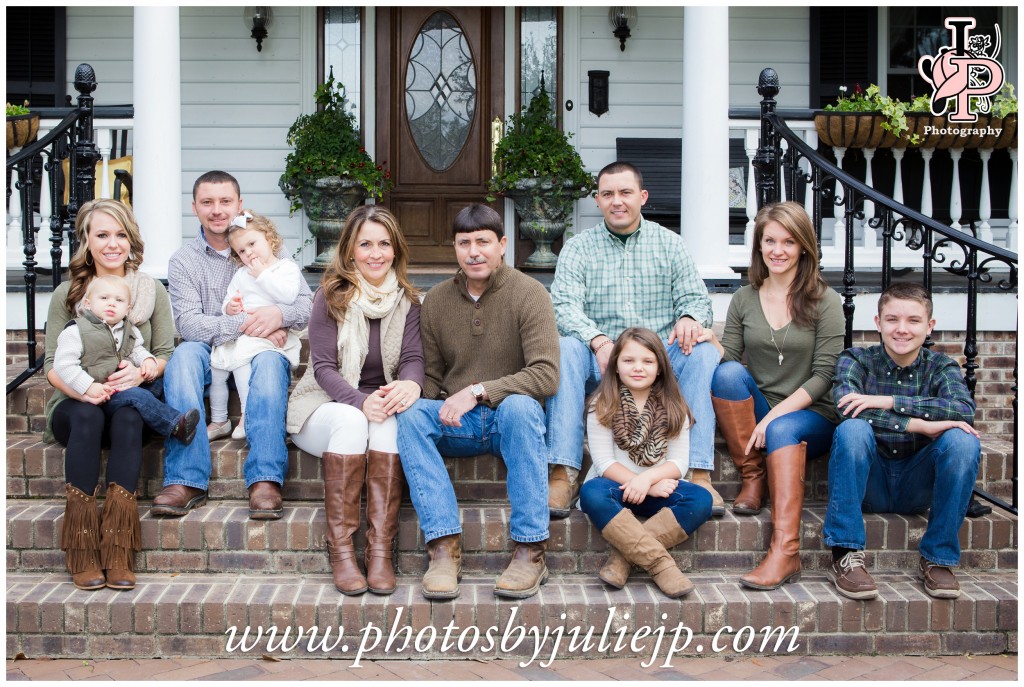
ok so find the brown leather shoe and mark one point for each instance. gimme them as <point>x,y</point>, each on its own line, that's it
<point>563,490</point>
<point>120,537</point>
<point>702,478</point>
<point>441,581</point>
<point>80,539</point>
<point>851,578</point>
<point>939,580</point>
<point>525,573</point>
<point>185,429</point>
<point>177,500</point>
<point>265,501</point>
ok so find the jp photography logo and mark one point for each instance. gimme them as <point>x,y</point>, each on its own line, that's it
<point>964,76</point>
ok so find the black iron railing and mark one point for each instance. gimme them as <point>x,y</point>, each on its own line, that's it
<point>73,140</point>
<point>942,248</point>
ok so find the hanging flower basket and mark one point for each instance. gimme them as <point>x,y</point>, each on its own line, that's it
<point>21,130</point>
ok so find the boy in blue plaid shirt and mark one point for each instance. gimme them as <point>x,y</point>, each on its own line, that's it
<point>905,445</point>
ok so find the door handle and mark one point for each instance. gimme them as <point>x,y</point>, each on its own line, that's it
<point>497,131</point>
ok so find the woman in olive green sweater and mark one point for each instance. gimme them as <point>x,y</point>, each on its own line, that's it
<point>790,325</point>
<point>109,243</point>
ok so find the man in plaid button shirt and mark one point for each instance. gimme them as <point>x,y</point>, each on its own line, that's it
<point>626,272</point>
<point>198,276</point>
<point>905,444</point>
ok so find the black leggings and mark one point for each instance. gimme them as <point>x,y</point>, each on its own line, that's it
<point>82,428</point>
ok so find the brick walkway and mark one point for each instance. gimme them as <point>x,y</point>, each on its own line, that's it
<point>989,668</point>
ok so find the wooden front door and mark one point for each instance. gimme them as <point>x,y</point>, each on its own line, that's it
<point>439,85</point>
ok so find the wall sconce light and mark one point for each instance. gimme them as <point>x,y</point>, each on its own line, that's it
<point>257,20</point>
<point>621,18</point>
<point>598,91</point>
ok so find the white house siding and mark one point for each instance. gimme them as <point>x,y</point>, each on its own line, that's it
<point>765,36</point>
<point>237,103</point>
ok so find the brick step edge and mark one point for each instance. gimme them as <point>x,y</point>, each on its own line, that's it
<point>36,469</point>
<point>189,615</point>
<point>219,537</point>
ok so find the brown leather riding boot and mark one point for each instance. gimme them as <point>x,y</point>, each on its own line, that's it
<point>343,486</point>
<point>383,494</point>
<point>80,539</point>
<point>639,546</point>
<point>736,422</point>
<point>786,487</point>
<point>441,581</point>
<point>663,526</point>
<point>120,536</point>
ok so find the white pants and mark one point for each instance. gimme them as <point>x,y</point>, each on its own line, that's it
<point>341,428</point>
<point>219,391</point>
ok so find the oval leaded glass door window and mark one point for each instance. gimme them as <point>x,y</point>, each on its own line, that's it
<point>440,90</point>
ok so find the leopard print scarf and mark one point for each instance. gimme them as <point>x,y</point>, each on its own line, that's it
<point>643,434</point>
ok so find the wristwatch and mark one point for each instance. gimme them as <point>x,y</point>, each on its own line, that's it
<point>478,391</point>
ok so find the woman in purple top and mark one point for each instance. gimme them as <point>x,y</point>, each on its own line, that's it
<point>365,366</point>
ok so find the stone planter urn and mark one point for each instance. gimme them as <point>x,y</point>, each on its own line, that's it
<point>542,216</point>
<point>21,130</point>
<point>328,202</point>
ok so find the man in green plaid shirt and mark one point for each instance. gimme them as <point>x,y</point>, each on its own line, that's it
<point>626,272</point>
<point>905,445</point>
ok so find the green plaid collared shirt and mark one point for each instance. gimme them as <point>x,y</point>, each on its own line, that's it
<point>930,388</point>
<point>603,286</point>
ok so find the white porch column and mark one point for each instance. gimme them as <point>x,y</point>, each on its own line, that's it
<point>705,174</point>
<point>156,176</point>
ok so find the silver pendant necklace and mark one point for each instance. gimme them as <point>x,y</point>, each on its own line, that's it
<point>784,337</point>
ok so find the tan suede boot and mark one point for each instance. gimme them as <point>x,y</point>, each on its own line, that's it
<point>441,581</point>
<point>702,478</point>
<point>80,539</point>
<point>736,422</point>
<point>563,490</point>
<point>383,494</point>
<point>639,546</point>
<point>120,537</point>
<point>786,487</point>
<point>343,486</point>
<point>525,573</point>
<point>663,526</point>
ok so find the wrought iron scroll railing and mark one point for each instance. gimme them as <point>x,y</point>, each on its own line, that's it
<point>73,140</point>
<point>941,247</point>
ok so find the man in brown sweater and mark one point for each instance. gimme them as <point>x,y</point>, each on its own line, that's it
<point>490,350</point>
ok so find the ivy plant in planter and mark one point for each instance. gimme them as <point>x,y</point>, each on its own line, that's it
<point>328,172</point>
<point>543,174</point>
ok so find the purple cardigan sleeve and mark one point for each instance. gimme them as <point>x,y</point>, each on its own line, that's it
<point>410,365</point>
<point>323,355</point>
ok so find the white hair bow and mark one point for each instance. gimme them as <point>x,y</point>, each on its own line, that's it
<point>241,220</point>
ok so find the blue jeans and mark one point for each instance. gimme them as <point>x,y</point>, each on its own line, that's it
<point>940,475</point>
<point>733,382</point>
<point>514,431</point>
<point>185,380</point>
<point>601,500</point>
<point>579,376</point>
<point>159,416</point>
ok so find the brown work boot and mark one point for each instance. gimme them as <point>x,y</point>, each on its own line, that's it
<point>851,578</point>
<point>525,573</point>
<point>441,581</point>
<point>177,500</point>
<point>663,526</point>
<point>265,501</point>
<point>343,486</point>
<point>563,490</point>
<point>939,580</point>
<point>383,494</point>
<point>736,422</point>
<point>80,539</point>
<point>786,487</point>
<point>639,546</point>
<point>702,478</point>
<point>120,537</point>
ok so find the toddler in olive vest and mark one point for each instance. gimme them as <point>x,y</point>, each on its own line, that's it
<point>91,348</point>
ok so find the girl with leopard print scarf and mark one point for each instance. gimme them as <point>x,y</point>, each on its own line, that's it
<point>638,431</point>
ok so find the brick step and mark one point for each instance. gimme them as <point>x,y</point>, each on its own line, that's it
<point>36,470</point>
<point>190,615</point>
<point>219,537</point>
